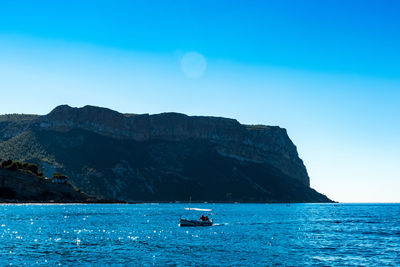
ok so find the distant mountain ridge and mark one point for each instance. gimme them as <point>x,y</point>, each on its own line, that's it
<point>161,157</point>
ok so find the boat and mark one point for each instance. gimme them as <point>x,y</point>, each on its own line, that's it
<point>203,221</point>
<point>192,223</point>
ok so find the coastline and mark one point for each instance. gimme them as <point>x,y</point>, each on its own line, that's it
<point>163,202</point>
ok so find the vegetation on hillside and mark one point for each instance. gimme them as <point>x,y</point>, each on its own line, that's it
<point>31,168</point>
<point>21,166</point>
<point>26,148</point>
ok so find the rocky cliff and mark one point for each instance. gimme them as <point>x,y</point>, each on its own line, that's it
<point>244,142</point>
<point>162,157</point>
<point>23,186</point>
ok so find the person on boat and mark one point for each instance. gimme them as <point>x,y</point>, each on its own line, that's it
<point>204,218</point>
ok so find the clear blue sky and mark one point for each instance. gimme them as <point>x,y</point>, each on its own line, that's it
<point>327,71</point>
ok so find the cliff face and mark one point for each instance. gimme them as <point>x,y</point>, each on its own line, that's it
<point>162,157</point>
<point>261,144</point>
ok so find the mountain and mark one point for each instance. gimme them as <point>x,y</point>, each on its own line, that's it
<point>22,183</point>
<point>161,157</point>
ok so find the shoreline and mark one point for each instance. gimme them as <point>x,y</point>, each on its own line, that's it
<point>169,202</point>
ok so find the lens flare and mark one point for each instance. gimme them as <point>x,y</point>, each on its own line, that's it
<point>193,65</point>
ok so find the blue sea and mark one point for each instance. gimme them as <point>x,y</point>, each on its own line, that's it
<point>243,235</point>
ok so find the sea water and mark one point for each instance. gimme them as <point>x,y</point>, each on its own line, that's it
<point>244,234</point>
